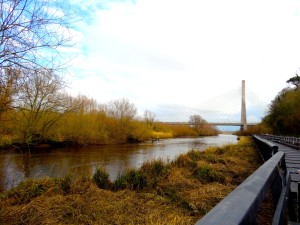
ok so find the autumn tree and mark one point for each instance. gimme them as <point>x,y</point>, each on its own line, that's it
<point>41,103</point>
<point>283,115</point>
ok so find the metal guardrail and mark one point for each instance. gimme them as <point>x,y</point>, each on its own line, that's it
<point>241,206</point>
<point>289,141</point>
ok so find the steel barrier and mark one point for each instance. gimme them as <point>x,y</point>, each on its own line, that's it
<point>241,206</point>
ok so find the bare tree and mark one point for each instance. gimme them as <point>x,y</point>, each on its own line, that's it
<point>31,32</point>
<point>41,103</point>
<point>149,117</point>
<point>197,122</point>
<point>122,109</point>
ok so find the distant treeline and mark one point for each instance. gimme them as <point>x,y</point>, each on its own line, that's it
<point>34,110</point>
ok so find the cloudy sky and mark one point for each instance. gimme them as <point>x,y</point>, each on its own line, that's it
<point>170,56</point>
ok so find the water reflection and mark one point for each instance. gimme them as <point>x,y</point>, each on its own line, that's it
<point>15,167</point>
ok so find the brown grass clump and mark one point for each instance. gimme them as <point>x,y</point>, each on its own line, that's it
<point>178,192</point>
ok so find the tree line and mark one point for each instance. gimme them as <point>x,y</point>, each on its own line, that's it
<point>35,109</point>
<point>283,116</point>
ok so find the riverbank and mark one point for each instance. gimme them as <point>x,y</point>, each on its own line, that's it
<point>176,192</point>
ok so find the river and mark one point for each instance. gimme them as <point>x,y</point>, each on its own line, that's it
<point>58,162</point>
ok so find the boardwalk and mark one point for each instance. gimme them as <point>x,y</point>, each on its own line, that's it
<point>292,159</point>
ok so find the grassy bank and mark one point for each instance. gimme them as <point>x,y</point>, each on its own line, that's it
<point>177,192</point>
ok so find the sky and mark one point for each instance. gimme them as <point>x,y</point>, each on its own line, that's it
<point>171,56</point>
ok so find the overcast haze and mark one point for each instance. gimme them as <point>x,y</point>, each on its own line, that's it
<point>166,55</point>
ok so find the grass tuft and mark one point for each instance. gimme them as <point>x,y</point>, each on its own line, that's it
<point>205,173</point>
<point>155,168</point>
<point>120,183</point>
<point>65,184</point>
<point>181,161</point>
<point>136,180</point>
<point>195,155</point>
<point>101,178</point>
<point>131,179</point>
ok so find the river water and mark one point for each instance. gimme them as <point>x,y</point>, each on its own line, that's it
<point>17,166</point>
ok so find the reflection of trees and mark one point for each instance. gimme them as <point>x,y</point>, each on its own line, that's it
<point>3,171</point>
<point>10,171</point>
<point>27,164</point>
<point>80,161</point>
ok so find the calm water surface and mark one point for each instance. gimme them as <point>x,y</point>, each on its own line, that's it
<point>15,166</point>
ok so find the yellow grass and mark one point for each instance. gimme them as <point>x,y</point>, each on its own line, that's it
<point>161,134</point>
<point>177,194</point>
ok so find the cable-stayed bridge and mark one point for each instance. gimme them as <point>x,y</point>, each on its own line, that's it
<point>238,107</point>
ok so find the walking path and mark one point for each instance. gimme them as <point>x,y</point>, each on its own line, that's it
<point>292,160</point>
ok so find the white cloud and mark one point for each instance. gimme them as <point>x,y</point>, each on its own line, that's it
<point>182,52</point>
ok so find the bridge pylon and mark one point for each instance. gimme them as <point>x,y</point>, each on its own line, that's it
<point>243,109</point>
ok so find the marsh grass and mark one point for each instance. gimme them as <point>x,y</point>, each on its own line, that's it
<point>131,179</point>
<point>177,192</point>
<point>101,178</point>
<point>205,173</point>
<point>27,190</point>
